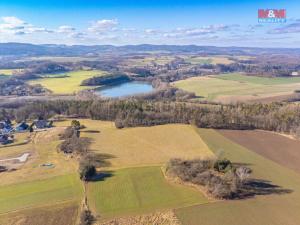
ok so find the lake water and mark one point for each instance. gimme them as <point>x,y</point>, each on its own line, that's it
<point>125,89</point>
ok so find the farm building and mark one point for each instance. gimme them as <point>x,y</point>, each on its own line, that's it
<point>42,124</point>
<point>21,127</point>
<point>5,127</point>
<point>5,139</point>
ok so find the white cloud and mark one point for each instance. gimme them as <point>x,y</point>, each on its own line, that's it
<point>15,26</point>
<point>104,25</point>
<point>65,29</point>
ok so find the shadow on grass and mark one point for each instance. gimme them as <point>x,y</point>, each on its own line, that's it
<point>101,176</point>
<point>90,131</point>
<point>257,187</point>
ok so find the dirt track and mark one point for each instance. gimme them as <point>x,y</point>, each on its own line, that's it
<point>278,148</point>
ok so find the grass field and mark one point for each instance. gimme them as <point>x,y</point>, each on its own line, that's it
<point>236,87</point>
<point>160,60</point>
<point>208,60</point>
<point>40,192</point>
<point>276,205</point>
<point>6,71</point>
<point>70,84</point>
<point>144,145</point>
<point>139,190</point>
<point>43,149</point>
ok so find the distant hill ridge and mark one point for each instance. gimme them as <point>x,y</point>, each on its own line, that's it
<point>24,49</point>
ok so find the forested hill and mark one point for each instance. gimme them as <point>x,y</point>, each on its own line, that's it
<point>24,49</point>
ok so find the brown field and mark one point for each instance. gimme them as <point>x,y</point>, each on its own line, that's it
<point>158,218</point>
<point>276,147</point>
<point>62,214</point>
<point>277,191</point>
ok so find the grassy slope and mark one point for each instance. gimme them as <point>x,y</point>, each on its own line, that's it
<point>237,85</point>
<point>139,190</point>
<point>208,60</point>
<point>68,85</point>
<point>144,145</point>
<point>6,71</point>
<point>40,192</point>
<point>259,80</point>
<point>272,209</point>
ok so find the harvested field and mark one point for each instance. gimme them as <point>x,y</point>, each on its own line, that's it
<point>138,190</point>
<point>60,214</point>
<point>275,192</point>
<point>143,145</point>
<point>159,218</point>
<point>276,147</point>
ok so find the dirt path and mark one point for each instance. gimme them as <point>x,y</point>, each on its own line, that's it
<point>276,147</point>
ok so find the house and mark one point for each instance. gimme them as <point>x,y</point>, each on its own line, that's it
<point>5,139</point>
<point>295,73</point>
<point>5,127</point>
<point>21,127</point>
<point>42,124</point>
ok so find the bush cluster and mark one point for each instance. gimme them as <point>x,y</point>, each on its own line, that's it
<point>221,179</point>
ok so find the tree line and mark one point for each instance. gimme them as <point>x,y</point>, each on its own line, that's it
<point>282,117</point>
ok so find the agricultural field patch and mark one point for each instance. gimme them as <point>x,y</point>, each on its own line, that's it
<point>235,87</point>
<point>68,84</point>
<point>40,192</point>
<point>277,191</point>
<point>283,150</point>
<point>138,190</point>
<point>143,145</point>
<point>58,214</point>
<point>160,60</point>
<point>208,60</point>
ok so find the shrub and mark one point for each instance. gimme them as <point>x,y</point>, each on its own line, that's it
<point>86,171</point>
<point>223,165</point>
<point>220,178</point>
<point>86,218</point>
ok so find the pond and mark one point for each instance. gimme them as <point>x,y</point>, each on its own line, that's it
<point>125,89</point>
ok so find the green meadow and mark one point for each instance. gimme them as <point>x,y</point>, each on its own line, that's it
<point>68,84</point>
<point>40,192</point>
<point>236,86</point>
<point>139,190</point>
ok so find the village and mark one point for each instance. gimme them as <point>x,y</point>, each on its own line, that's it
<point>8,129</point>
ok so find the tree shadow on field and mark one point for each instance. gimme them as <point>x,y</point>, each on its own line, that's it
<point>257,187</point>
<point>101,176</point>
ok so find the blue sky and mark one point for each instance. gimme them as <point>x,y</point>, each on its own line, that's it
<point>119,22</point>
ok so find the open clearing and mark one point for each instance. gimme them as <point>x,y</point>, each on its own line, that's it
<point>237,87</point>
<point>70,84</point>
<point>208,60</point>
<point>276,147</point>
<point>139,190</point>
<point>276,205</point>
<point>40,192</point>
<point>143,145</point>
